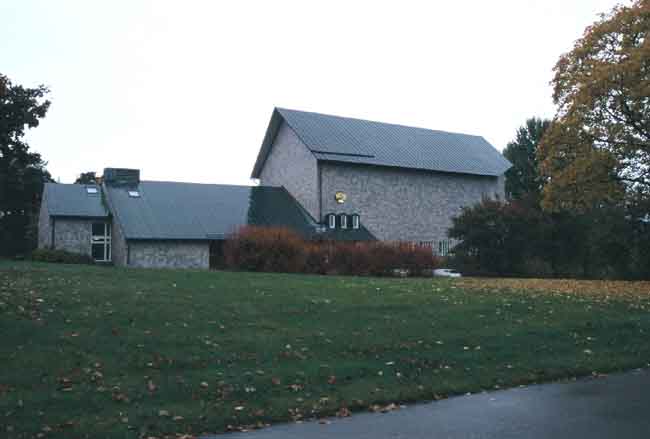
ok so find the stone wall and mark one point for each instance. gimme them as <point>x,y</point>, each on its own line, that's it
<point>169,254</point>
<point>403,205</point>
<point>44,224</point>
<point>119,249</point>
<point>72,235</point>
<point>118,245</point>
<point>292,165</point>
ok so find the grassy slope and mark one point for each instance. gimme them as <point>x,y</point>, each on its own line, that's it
<point>105,352</point>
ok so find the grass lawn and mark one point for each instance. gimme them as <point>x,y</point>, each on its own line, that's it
<point>120,353</point>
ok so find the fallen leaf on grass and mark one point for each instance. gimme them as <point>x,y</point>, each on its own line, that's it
<point>343,412</point>
<point>67,424</point>
<point>65,384</point>
<point>384,409</point>
<point>151,386</point>
<point>121,397</point>
<point>295,387</point>
<point>595,288</point>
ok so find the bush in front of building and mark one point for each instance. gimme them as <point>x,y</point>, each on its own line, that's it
<point>378,258</point>
<point>60,256</point>
<point>282,250</point>
<point>265,249</point>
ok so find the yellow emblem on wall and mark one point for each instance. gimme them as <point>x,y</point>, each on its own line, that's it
<point>340,197</point>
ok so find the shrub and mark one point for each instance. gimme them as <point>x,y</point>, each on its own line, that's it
<point>265,249</point>
<point>318,259</point>
<point>281,250</point>
<point>60,256</point>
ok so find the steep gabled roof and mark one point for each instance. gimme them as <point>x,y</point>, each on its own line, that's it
<point>192,211</point>
<point>73,200</point>
<point>343,139</point>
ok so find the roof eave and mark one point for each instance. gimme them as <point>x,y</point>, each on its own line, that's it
<point>172,239</point>
<point>410,168</point>
<point>79,216</point>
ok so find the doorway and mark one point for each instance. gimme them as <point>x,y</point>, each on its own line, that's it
<point>217,259</point>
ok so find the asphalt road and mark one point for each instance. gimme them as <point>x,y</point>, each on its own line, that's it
<point>617,406</point>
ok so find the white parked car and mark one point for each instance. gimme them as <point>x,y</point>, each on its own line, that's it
<point>445,272</point>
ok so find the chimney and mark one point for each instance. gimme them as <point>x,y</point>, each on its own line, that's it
<point>121,177</point>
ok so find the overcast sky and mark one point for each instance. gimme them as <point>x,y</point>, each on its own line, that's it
<point>184,90</point>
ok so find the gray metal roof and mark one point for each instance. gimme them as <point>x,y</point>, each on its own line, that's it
<point>191,211</point>
<point>73,200</point>
<point>343,139</point>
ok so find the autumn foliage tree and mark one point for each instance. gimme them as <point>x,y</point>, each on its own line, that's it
<point>516,237</point>
<point>598,148</point>
<point>590,172</point>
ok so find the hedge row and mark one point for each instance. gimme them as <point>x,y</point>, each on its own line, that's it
<point>60,256</point>
<point>282,250</point>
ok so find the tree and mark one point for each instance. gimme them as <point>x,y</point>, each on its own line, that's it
<point>514,238</point>
<point>598,148</point>
<point>22,173</point>
<point>87,178</point>
<point>496,237</point>
<point>523,181</point>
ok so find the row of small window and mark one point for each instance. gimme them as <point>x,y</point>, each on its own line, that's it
<point>342,221</point>
<point>443,248</point>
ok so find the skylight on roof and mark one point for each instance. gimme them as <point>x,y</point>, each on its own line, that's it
<point>134,194</point>
<point>91,190</point>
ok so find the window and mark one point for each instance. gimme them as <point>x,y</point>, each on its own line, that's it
<point>91,190</point>
<point>343,221</point>
<point>443,248</point>
<point>134,194</point>
<point>100,242</point>
<point>356,221</point>
<point>331,221</point>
